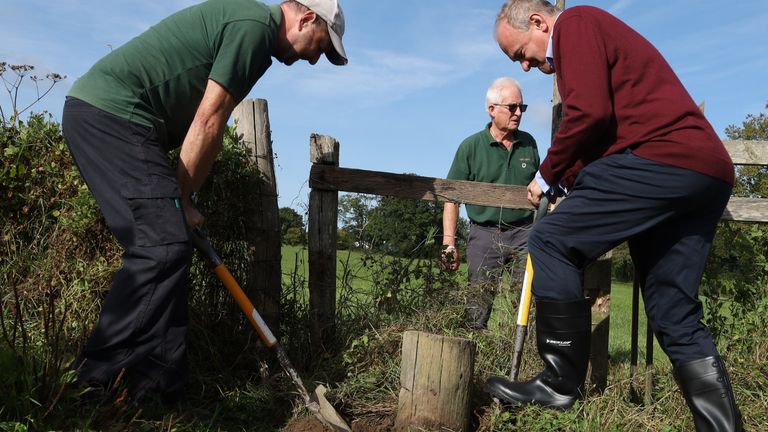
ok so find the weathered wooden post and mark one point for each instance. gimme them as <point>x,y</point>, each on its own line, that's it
<point>597,287</point>
<point>435,378</point>
<point>323,215</point>
<point>263,285</point>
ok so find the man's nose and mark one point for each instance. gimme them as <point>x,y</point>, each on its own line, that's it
<point>526,65</point>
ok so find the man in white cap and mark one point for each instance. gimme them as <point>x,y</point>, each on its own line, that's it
<point>173,86</point>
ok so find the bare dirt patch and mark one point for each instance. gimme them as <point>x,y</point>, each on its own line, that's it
<point>306,424</point>
<point>365,424</point>
<point>373,424</point>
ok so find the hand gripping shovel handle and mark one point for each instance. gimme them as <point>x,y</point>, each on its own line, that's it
<point>203,245</point>
<point>526,294</point>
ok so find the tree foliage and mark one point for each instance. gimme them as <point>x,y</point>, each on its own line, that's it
<point>354,214</point>
<point>401,226</point>
<point>292,228</point>
<point>395,226</point>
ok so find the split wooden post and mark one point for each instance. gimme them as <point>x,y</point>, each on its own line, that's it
<point>435,377</point>
<point>263,285</point>
<point>597,287</point>
<point>323,215</point>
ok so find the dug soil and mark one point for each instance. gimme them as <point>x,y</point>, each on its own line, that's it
<point>367,424</point>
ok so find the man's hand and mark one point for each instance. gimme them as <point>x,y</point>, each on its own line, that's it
<point>194,218</point>
<point>449,258</point>
<point>534,193</point>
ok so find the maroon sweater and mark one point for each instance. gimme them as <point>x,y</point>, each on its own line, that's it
<point>618,92</point>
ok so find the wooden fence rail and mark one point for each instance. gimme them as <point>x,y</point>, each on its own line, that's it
<point>334,178</point>
<point>747,152</point>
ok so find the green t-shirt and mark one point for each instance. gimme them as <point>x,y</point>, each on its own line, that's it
<point>158,78</point>
<point>481,158</point>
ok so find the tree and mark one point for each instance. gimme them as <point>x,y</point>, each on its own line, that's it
<point>354,213</point>
<point>405,227</point>
<point>292,228</point>
<point>295,236</point>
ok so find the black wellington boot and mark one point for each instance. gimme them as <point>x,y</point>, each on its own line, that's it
<point>562,335</point>
<point>707,390</point>
<point>478,312</point>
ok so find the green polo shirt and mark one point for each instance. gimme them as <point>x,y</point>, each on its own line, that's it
<point>481,158</point>
<point>158,78</point>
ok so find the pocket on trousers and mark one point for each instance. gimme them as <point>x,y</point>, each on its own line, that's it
<point>157,212</point>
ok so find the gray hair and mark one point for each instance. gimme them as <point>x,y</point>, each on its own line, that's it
<point>516,12</point>
<point>497,87</point>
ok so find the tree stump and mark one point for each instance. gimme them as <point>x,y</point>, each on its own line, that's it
<point>435,377</point>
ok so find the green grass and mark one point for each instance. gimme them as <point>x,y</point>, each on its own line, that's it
<point>295,267</point>
<point>620,332</point>
<point>351,273</point>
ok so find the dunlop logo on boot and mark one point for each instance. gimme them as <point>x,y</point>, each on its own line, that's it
<point>566,343</point>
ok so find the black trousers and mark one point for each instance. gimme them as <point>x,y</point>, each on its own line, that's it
<point>667,214</point>
<point>143,323</point>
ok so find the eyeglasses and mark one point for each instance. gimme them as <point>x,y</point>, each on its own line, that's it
<point>513,107</point>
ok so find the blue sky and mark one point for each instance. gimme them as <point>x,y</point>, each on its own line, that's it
<point>417,73</point>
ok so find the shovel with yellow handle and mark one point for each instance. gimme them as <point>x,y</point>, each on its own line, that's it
<point>524,308</point>
<point>316,402</point>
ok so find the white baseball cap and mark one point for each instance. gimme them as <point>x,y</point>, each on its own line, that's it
<point>330,11</point>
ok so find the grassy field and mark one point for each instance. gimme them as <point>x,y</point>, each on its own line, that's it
<point>295,267</point>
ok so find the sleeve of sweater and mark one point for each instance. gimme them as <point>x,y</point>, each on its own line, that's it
<point>583,78</point>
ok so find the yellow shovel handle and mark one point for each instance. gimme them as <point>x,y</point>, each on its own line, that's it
<point>526,294</point>
<point>245,305</point>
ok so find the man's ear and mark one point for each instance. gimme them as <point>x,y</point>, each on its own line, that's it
<point>307,18</point>
<point>538,22</point>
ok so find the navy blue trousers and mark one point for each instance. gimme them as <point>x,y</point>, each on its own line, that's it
<point>143,322</point>
<point>668,216</point>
